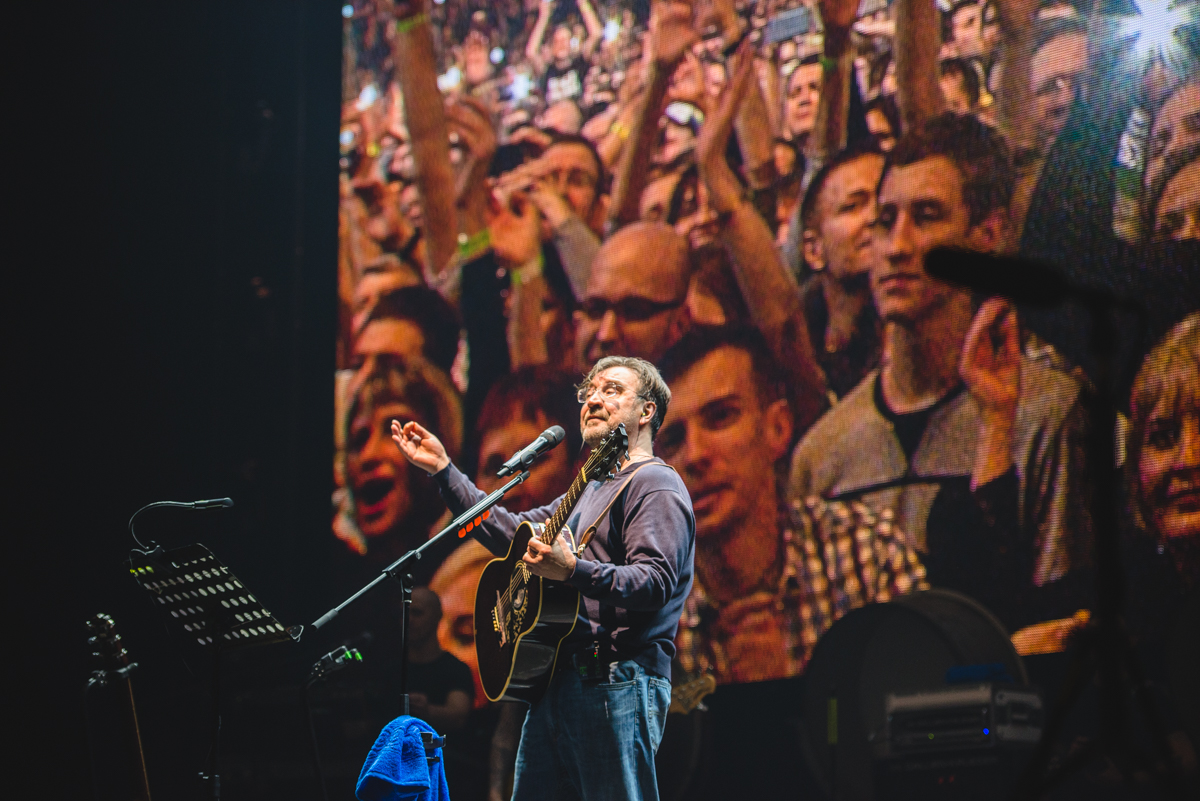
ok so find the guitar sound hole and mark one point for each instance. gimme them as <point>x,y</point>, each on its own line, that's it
<point>519,600</point>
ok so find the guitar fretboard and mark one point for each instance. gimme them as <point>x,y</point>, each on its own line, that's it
<point>559,518</point>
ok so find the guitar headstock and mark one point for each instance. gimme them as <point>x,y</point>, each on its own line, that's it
<point>106,642</point>
<point>607,456</point>
<point>687,696</point>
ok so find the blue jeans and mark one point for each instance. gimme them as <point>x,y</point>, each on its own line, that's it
<point>594,740</point>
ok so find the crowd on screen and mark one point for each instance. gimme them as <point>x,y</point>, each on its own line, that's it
<point>742,192</point>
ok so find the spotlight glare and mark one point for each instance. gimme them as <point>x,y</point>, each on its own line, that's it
<point>612,29</point>
<point>521,86</point>
<point>1154,26</point>
<point>347,11</point>
<point>496,55</point>
<point>449,80</point>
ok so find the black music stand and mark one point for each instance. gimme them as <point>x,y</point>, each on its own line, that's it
<point>205,603</point>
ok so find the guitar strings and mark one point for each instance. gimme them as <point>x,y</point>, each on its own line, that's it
<point>520,576</point>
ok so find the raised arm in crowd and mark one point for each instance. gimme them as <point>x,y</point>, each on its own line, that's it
<point>416,70</point>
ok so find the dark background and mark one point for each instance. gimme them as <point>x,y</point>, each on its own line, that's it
<point>171,299</point>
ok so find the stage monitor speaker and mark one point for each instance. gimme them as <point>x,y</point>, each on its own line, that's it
<point>916,643</point>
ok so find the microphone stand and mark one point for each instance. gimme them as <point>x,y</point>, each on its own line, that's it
<point>398,570</point>
<point>1104,649</point>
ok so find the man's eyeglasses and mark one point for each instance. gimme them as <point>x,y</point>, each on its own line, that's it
<point>634,310</point>
<point>609,391</point>
<point>575,178</point>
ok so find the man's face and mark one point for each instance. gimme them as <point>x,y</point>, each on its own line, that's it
<point>697,219</point>
<point>477,66</point>
<point>404,166</point>
<point>803,93</point>
<point>719,439</point>
<point>1169,470</point>
<point>378,473</point>
<point>410,205</point>
<point>560,44</point>
<point>549,477</point>
<point>676,139</point>
<point>881,129</point>
<point>687,81</point>
<point>954,91</point>
<point>1176,127</point>
<point>1178,214</point>
<point>656,199</point>
<point>920,207</point>
<point>613,400</point>
<point>1056,72</point>
<point>634,305</point>
<point>372,286</point>
<point>387,342</point>
<point>845,210</point>
<point>967,27</point>
<point>573,170</point>
<point>563,117</point>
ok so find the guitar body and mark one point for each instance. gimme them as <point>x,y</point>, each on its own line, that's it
<point>520,620</point>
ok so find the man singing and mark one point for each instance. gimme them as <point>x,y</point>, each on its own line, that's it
<point>594,734</point>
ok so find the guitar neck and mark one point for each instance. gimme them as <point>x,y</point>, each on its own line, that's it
<point>559,518</point>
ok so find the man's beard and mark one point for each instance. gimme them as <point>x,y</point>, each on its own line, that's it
<point>594,435</point>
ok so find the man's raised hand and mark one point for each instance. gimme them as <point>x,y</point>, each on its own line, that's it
<point>420,447</point>
<point>671,32</point>
<point>991,369</point>
<point>516,235</point>
<point>471,121</point>
<point>838,14</point>
<point>991,359</point>
<point>724,191</point>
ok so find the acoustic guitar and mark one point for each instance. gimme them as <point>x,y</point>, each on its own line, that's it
<point>521,619</point>
<point>116,665</point>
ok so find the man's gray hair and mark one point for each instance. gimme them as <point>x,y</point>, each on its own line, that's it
<point>650,387</point>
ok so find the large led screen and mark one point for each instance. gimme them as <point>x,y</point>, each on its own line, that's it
<point>743,193</point>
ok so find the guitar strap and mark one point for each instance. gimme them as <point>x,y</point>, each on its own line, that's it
<point>591,530</point>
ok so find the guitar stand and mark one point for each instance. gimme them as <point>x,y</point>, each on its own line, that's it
<point>330,663</point>
<point>203,602</point>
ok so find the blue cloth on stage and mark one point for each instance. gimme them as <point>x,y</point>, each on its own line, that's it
<point>397,769</point>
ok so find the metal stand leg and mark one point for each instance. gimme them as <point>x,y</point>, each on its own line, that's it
<point>406,589</point>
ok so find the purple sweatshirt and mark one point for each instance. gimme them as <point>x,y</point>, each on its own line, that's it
<point>636,572</point>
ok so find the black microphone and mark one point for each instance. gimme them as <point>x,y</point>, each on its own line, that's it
<point>213,503</point>
<point>1020,280</point>
<point>524,457</point>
